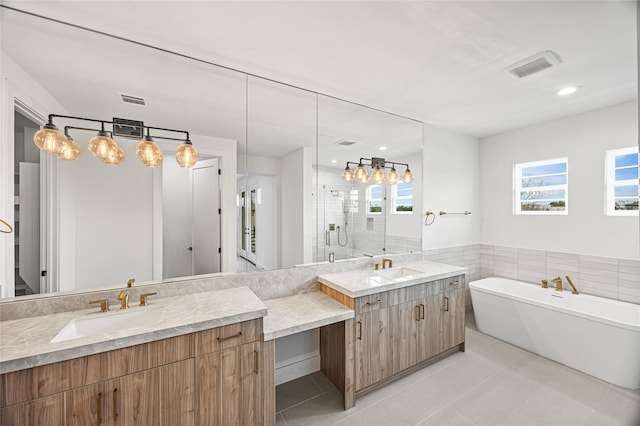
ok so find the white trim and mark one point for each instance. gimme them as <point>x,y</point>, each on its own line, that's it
<point>611,184</point>
<point>297,367</point>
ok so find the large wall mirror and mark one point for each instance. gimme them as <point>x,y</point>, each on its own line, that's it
<point>268,178</point>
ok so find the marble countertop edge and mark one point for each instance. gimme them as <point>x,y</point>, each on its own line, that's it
<point>278,333</point>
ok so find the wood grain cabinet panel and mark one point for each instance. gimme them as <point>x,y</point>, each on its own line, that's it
<point>372,348</point>
<point>86,405</point>
<point>47,411</point>
<point>453,318</point>
<point>228,386</point>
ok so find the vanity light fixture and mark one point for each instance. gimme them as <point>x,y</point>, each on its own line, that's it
<point>377,175</point>
<point>50,139</point>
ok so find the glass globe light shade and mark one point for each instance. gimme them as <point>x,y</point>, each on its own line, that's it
<point>114,157</point>
<point>186,154</point>
<point>149,152</point>
<point>347,175</point>
<point>103,146</point>
<point>407,176</point>
<point>393,177</point>
<point>49,138</point>
<point>377,176</point>
<point>70,150</point>
<point>361,173</point>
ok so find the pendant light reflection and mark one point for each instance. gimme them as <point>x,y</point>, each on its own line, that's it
<point>186,154</point>
<point>347,175</point>
<point>393,177</point>
<point>149,152</point>
<point>361,174</point>
<point>49,138</point>
<point>377,177</point>
<point>407,176</point>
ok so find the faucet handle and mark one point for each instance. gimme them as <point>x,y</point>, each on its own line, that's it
<point>104,304</point>
<point>143,298</point>
<point>130,282</point>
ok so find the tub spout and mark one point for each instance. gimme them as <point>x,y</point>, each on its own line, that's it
<point>575,290</point>
<point>558,282</point>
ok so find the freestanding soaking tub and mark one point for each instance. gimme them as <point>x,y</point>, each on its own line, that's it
<point>598,336</point>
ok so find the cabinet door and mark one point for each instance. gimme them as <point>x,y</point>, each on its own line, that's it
<point>159,396</point>
<point>86,405</point>
<point>228,387</point>
<point>403,339</point>
<point>453,318</point>
<point>429,327</point>
<point>46,411</point>
<point>134,399</point>
<point>372,348</point>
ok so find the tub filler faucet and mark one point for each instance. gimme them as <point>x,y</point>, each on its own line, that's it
<point>558,282</point>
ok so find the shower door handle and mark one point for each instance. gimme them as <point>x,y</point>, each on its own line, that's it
<point>327,238</point>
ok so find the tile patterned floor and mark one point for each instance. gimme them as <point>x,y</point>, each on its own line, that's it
<point>492,383</point>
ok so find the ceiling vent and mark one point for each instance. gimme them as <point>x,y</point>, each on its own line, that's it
<point>130,99</point>
<point>534,63</point>
<point>345,143</point>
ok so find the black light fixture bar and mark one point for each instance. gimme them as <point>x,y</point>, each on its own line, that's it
<point>52,116</point>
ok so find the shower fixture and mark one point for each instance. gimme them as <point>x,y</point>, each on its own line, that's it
<point>377,175</point>
<point>50,139</point>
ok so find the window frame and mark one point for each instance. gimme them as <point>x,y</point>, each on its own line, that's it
<point>395,198</point>
<point>370,199</point>
<point>610,181</point>
<point>518,188</point>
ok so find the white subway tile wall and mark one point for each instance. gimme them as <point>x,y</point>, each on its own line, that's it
<point>608,277</point>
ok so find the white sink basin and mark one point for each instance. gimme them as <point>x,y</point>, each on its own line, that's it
<point>108,322</point>
<point>398,272</point>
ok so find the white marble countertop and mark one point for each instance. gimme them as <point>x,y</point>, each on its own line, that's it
<point>25,343</point>
<point>302,312</point>
<point>363,282</point>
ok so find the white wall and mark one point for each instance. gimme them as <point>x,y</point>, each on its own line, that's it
<point>296,213</point>
<point>450,183</point>
<point>583,139</point>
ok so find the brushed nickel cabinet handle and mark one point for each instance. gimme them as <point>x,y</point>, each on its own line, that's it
<point>360,327</point>
<point>417,311</point>
<point>422,310</point>
<point>115,404</point>
<point>222,339</point>
<point>377,302</point>
<point>256,362</point>
<point>454,283</point>
<point>99,408</point>
<point>446,299</point>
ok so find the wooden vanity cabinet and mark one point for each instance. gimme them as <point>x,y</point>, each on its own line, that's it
<point>151,384</point>
<point>400,329</point>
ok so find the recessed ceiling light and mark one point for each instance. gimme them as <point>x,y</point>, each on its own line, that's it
<point>567,90</point>
<point>383,148</point>
<point>334,161</point>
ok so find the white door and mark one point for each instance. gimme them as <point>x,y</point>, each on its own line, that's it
<point>206,217</point>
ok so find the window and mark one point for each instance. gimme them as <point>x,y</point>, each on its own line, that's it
<point>622,182</point>
<point>374,199</point>
<point>541,187</point>
<point>402,198</point>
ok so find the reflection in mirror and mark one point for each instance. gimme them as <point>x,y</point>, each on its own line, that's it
<point>103,224</point>
<point>274,220</point>
<point>355,218</point>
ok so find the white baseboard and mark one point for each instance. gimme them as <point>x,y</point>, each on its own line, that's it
<point>296,367</point>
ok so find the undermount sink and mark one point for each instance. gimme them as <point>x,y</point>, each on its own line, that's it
<point>399,272</point>
<point>109,322</point>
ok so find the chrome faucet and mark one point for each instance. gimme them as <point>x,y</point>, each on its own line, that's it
<point>384,263</point>
<point>558,282</point>
<point>123,297</point>
<point>575,290</point>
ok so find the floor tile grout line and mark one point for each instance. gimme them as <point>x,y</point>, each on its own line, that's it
<point>593,409</point>
<point>322,393</point>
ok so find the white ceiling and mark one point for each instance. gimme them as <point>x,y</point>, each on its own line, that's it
<point>439,62</point>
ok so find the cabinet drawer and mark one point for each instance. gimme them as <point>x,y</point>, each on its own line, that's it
<point>372,302</point>
<point>452,283</point>
<point>228,336</point>
<point>36,382</point>
<point>424,290</point>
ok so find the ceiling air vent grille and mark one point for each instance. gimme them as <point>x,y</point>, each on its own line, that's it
<point>345,143</point>
<point>130,99</point>
<point>534,64</point>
